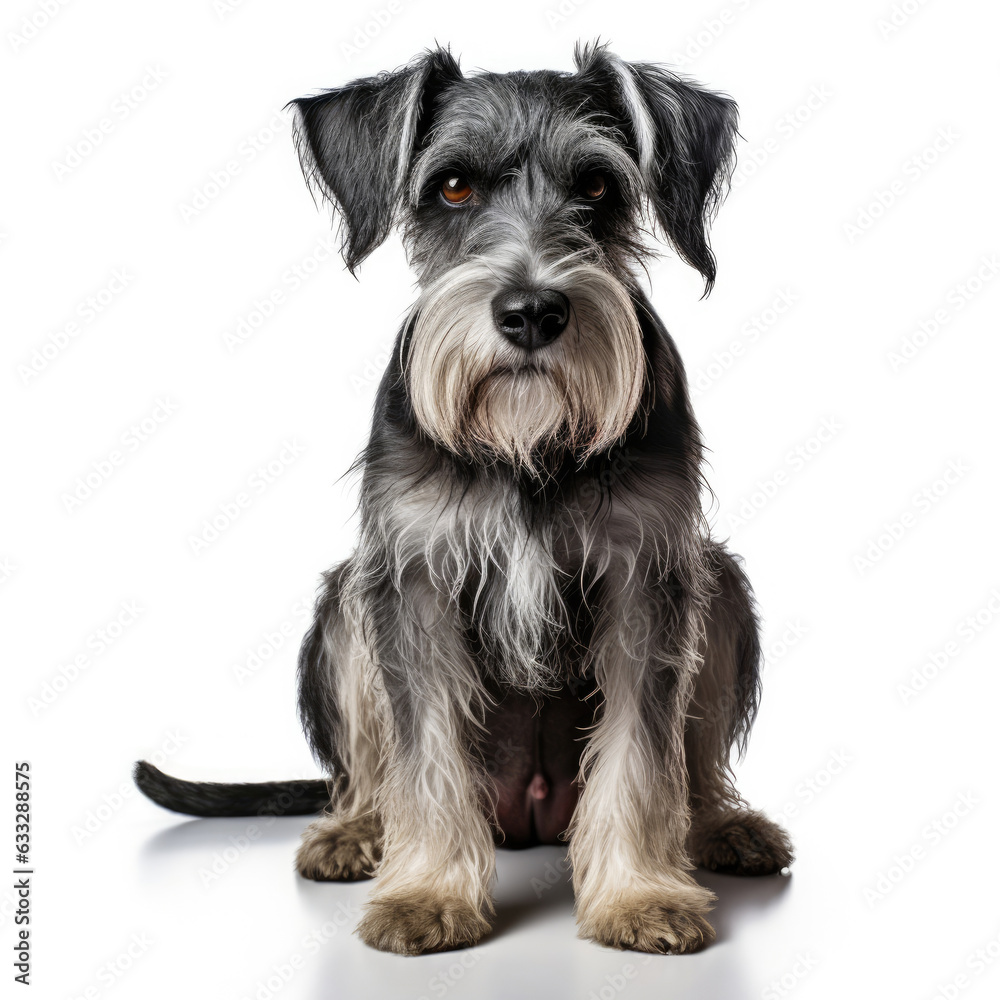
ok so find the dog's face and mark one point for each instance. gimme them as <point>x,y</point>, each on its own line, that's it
<point>523,199</point>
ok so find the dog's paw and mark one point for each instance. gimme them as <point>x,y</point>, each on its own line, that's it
<point>340,850</point>
<point>741,842</point>
<point>648,923</point>
<point>413,925</point>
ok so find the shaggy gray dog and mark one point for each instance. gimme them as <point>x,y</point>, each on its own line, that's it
<point>536,639</point>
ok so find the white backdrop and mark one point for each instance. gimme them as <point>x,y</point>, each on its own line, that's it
<point>177,332</point>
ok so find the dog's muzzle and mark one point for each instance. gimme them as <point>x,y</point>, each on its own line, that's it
<point>472,387</point>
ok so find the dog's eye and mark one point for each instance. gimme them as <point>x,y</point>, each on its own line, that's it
<point>592,185</point>
<point>456,190</point>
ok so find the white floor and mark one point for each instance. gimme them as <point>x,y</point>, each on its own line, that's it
<point>157,906</point>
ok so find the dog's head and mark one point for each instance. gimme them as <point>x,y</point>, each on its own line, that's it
<point>523,198</point>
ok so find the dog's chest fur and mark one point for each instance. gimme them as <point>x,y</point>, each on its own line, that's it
<point>517,568</point>
<point>514,568</point>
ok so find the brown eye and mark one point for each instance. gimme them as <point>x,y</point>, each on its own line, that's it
<point>593,186</point>
<point>456,190</point>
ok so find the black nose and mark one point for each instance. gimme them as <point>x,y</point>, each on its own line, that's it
<point>531,319</point>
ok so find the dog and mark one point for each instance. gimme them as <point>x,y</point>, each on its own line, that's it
<point>536,640</point>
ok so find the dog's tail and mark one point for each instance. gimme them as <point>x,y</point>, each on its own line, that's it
<point>212,798</point>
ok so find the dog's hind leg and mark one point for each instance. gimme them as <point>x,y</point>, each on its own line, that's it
<point>726,835</point>
<point>340,703</point>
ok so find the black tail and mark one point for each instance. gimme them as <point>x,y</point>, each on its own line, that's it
<point>213,798</point>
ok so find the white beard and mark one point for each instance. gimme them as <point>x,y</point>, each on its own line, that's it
<point>480,396</point>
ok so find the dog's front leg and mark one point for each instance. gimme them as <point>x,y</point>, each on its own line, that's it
<point>630,870</point>
<point>432,889</point>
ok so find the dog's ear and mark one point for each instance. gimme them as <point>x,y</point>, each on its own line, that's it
<point>684,139</point>
<point>356,144</point>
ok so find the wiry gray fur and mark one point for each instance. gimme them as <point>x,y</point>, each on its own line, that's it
<point>531,525</point>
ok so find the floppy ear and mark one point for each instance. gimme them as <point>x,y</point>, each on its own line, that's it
<point>685,141</point>
<point>356,144</point>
